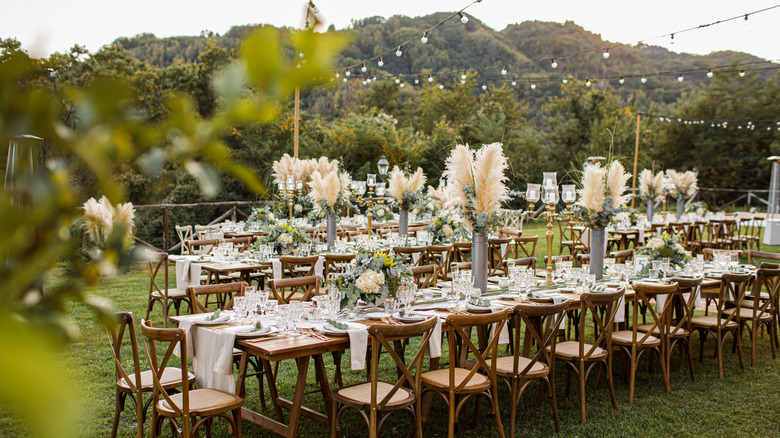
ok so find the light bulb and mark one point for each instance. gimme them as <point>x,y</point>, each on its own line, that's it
<point>364,82</point>
<point>606,54</point>
<point>363,67</point>
<point>462,82</point>
<point>441,86</point>
<point>742,73</point>
<point>587,83</point>
<point>514,82</point>
<point>503,71</point>
<point>301,54</point>
<point>553,64</point>
<point>430,78</point>
<point>337,75</point>
<point>424,38</point>
<point>381,62</point>
<point>484,87</point>
<point>621,81</point>
<point>368,80</point>
<point>347,73</point>
<point>345,80</point>
<point>463,77</point>
<point>397,81</point>
<point>739,127</point>
<point>416,81</point>
<point>709,73</point>
<point>402,84</point>
<point>533,86</point>
<point>398,52</point>
<point>463,19</point>
<point>644,79</point>
<point>565,81</point>
<point>680,78</point>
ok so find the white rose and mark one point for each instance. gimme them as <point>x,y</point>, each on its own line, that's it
<point>447,230</point>
<point>285,238</point>
<point>370,282</point>
<point>298,208</point>
<point>655,243</point>
<point>270,216</point>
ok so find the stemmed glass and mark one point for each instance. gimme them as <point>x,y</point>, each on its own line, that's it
<point>294,316</point>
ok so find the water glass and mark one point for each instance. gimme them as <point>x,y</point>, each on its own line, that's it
<point>294,316</point>
<point>453,296</point>
<point>653,273</point>
<point>282,317</point>
<point>427,294</point>
<point>271,307</point>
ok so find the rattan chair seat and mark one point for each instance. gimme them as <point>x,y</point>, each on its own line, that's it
<point>202,402</point>
<point>172,293</point>
<point>625,338</point>
<point>680,333</point>
<point>570,350</point>
<point>361,395</point>
<point>505,366</point>
<point>171,378</point>
<point>710,322</point>
<point>746,313</point>
<point>440,380</point>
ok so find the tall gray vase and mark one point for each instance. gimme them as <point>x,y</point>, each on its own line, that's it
<point>650,208</point>
<point>332,224</point>
<point>597,249</point>
<point>403,222</point>
<point>479,260</point>
<point>680,208</point>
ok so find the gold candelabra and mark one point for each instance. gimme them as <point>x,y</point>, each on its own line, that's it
<point>551,215</point>
<point>548,191</point>
<point>369,203</point>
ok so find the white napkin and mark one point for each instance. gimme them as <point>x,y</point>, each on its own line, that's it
<point>620,316</point>
<point>557,299</point>
<point>503,335</point>
<point>213,358</point>
<point>641,234</point>
<point>187,273</point>
<point>276,266</point>
<point>433,349</point>
<point>185,323</point>
<point>358,344</point>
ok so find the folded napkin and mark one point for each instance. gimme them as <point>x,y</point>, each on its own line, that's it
<point>187,273</point>
<point>185,323</point>
<point>433,349</point>
<point>503,335</point>
<point>358,344</point>
<point>276,267</point>
<point>557,299</point>
<point>620,316</point>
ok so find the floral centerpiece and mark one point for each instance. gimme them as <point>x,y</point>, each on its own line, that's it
<point>682,185</point>
<point>374,277</point>
<point>602,196</point>
<point>382,213</point>
<point>284,237</point>
<point>651,189</point>
<point>406,191</point>
<point>446,228</point>
<point>262,215</point>
<point>666,247</point>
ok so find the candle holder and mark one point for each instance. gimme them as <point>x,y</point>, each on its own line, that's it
<point>369,200</point>
<point>548,193</point>
<point>287,191</point>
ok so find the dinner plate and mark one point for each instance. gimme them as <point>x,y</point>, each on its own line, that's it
<point>265,331</point>
<point>478,309</point>
<point>411,317</point>
<point>220,320</point>
<point>377,315</point>
<point>335,331</point>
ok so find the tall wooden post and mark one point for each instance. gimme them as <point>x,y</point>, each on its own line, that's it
<point>297,106</point>
<point>636,160</point>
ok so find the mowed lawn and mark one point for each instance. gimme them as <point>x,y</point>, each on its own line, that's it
<point>745,403</point>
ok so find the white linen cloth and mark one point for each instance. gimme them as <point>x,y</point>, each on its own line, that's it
<point>557,299</point>
<point>211,353</point>
<point>358,344</point>
<point>276,267</point>
<point>187,273</point>
<point>433,349</point>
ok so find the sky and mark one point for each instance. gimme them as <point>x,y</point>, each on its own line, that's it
<point>46,26</point>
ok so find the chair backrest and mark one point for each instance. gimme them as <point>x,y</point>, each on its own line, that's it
<point>218,291</point>
<point>622,256</point>
<point>295,289</point>
<point>564,230</point>
<point>439,255</point>
<point>185,234</point>
<point>242,243</point>
<point>583,259</point>
<point>456,323</point>
<point>769,280</point>
<point>690,286</point>
<point>526,245</point>
<point>461,252</point>
<point>415,255</point>
<point>643,294</point>
<point>294,266</point>
<point>708,252</point>
<point>202,230</point>
<point>591,302</point>
<point>732,288</point>
<point>173,337</point>
<point>116,337</point>
<point>498,251</point>
<point>540,323</point>
<point>425,276</point>
<point>336,263</point>
<point>157,263</point>
<point>755,257</point>
<point>529,262</point>
<point>560,258</point>
<point>461,265</point>
<point>383,337</point>
<point>200,246</point>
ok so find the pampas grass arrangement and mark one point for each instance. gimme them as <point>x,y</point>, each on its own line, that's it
<point>438,197</point>
<point>302,170</point>
<point>682,184</point>
<point>476,186</point>
<point>405,189</point>
<point>603,193</point>
<point>330,191</point>
<point>101,218</point>
<point>651,188</point>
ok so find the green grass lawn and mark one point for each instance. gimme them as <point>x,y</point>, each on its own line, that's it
<point>744,403</point>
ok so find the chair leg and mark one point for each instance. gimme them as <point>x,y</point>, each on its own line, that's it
<point>582,390</point>
<point>512,408</point>
<point>117,410</point>
<point>719,353</point>
<point>451,423</point>
<point>140,413</point>
<point>237,431</point>
<point>632,379</point>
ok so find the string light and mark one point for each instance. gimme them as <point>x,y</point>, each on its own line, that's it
<point>337,75</point>
<point>503,71</point>
<point>363,67</point>
<point>680,78</point>
<point>398,52</point>
<point>553,64</point>
<point>402,84</point>
<point>397,81</point>
<point>416,81</point>
<point>424,38</point>
<point>672,38</point>
<point>484,86</point>
<point>347,73</point>
<point>606,54</point>
<point>587,83</point>
<point>430,78</point>
<point>742,73</point>
<point>514,82</point>
<point>533,86</point>
<point>710,74</point>
<point>621,81</point>
<point>381,62</point>
<point>565,81</point>
<point>463,19</point>
<point>441,86</point>
<point>644,79</point>
<point>463,77</point>
<point>345,80</point>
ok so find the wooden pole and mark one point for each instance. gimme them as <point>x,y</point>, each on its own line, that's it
<point>636,160</point>
<point>297,106</point>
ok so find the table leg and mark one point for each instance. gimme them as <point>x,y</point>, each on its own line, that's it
<point>297,402</point>
<point>319,370</point>
<point>271,379</point>
<point>242,366</point>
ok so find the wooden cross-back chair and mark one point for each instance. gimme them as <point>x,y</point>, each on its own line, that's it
<point>202,231</point>
<point>456,384</point>
<point>679,333</point>
<point>189,409</point>
<point>759,308</point>
<point>415,255</point>
<point>440,255</point>
<point>622,256</point>
<point>567,239</point>
<point>513,233</point>
<point>425,276</point>
<point>461,251</point>
<point>223,294</point>
<point>336,263</point>
<point>749,234</point>
<point>205,246</point>
<point>653,337</point>
<point>498,251</point>
<point>526,246</point>
<point>381,398</point>
<point>757,257</point>
<point>295,266</point>
<point>732,288</point>
<point>159,290</point>
<point>580,353</point>
<point>185,234</point>
<point>294,289</point>
<point>134,382</point>
<point>540,326</point>
<point>528,262</point>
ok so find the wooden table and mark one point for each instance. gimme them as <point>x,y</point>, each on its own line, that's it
<point>626,236</point>
<point>217,269</point>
